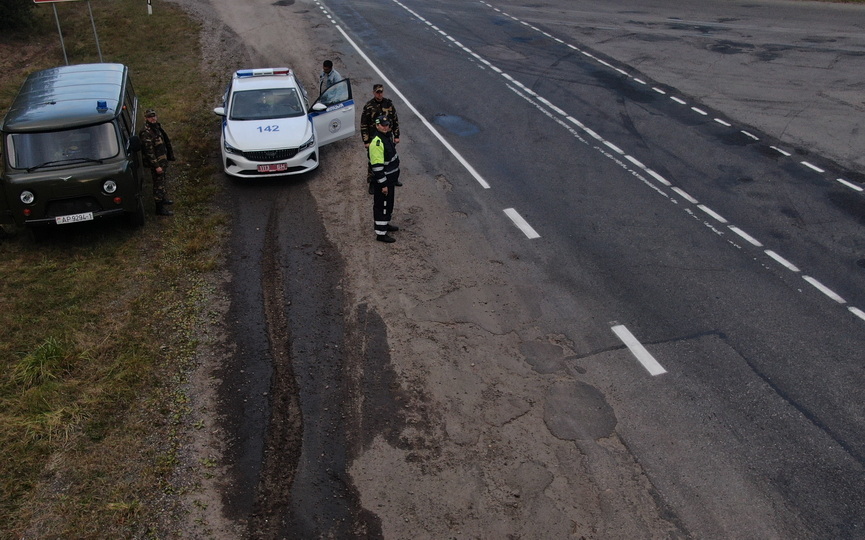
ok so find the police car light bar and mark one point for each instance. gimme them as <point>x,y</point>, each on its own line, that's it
<point>262,72</point>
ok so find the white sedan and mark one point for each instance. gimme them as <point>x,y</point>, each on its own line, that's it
<point>269,129</point>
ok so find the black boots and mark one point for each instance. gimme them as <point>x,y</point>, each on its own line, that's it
<point>161,210</point>
<point>385,238</point>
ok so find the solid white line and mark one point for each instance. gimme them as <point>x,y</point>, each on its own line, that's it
<point>790,266</point>
<point>850,185</point>
<point>637,349</point>
<point>711,213</point>
<point>521,224</point>
<point>417,113</point>
<point>813,167</point>
<point>824,289</point>
<point>684,194</point>
<point>858,312</point>
<point>753,241</point>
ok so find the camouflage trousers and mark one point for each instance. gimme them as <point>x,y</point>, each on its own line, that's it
<point>160,181</point>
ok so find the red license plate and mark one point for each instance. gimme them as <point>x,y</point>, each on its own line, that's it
<point>273,167</point>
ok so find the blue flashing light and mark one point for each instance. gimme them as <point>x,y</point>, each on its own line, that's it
<point>101,105</point>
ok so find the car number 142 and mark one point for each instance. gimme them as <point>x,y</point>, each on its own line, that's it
<point>262,129</point>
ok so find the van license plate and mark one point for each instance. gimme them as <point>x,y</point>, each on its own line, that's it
<point>273,167</point>
<point>74,218</point>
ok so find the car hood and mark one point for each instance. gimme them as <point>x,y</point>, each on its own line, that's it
<point>250,135</point>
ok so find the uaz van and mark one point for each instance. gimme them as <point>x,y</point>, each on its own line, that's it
<point>70,148</point>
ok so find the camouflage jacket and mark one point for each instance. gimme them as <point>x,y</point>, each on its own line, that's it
<point>372,110</point>
<point>156,148</point>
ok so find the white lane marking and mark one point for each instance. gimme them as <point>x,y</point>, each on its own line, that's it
<point>677,100</point>
<point>858,312</point>
<point>639,81</point>
<point>635,161</point>
<point>521,223</point>
<point>813,167</point>
<point>637,349</point>
<point>756,138</point>
<point>782,152</point>
<point>659,178</point>
<point>784,262</point>
<point>712,213</point>
<point>850,185</point>
<point>723,123</point>
<point>699,111</point>
<point>824,289</point>
<point>684,194</point>
<point>658,90</point>
<point>615,148</point>
<point>417,113</point>
<point>751,240</point>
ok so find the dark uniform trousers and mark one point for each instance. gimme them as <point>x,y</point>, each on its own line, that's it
<point>382,208</point>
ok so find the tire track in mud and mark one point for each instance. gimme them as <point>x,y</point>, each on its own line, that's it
<point>284,432</point>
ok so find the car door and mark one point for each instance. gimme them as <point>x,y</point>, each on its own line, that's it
<point>332,114</point>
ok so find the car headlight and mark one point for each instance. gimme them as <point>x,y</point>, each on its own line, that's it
<point>27,197</point>
<point>230,149</point>
<point>307,144</point>
<point>109,186</point>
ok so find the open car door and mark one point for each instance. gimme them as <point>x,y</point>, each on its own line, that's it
<point>332,114</point>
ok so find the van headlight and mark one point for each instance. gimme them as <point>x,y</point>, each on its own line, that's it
<point>27,197</point>
<point>307,144</point>
<point>109,186</point>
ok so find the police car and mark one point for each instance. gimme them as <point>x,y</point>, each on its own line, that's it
<point>269,129</point>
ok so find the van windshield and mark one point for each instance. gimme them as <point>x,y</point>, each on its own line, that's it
<point>58,148</point>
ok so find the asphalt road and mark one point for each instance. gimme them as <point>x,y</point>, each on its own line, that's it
<point>689,176</point>
<point>681,168</point>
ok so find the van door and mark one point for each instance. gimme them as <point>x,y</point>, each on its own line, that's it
<point>332,114</point>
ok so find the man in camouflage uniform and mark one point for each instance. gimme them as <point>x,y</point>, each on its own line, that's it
<point>374,108</point>
<point>157,152</point>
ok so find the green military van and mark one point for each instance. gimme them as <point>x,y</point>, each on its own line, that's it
<point>70,149</point>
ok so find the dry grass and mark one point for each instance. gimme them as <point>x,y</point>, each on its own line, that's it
<point>98,322</point>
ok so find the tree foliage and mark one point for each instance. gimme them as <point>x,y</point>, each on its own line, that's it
<point>15,14</point>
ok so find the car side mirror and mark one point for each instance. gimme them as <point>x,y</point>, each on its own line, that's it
<point>134,144</point>
<point>319,107</point>
<point>219,111</point>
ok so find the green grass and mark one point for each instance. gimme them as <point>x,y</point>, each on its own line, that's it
<point>99,324</point>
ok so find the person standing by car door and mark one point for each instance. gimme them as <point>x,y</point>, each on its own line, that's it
<point>328,77</point>
<point>157,152</point>
<point>374,108</point>
<point>384,164</point>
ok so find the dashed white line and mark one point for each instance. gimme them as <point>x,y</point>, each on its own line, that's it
<point>615,148</point>
<point>699,111</point>
<point>850,185</point>
<point>677,100</point>
<point>521,223</point>
<point>756,138</point>
<point>856,311</point>
<point>723,123</point>
<point>782,152</point>
<point>635,161</point>
<point>824,289</point>
<point>813,167</point>
<point>640,353</point>
<point>658,90</point>
<point>684,194</point>
<point>712,213</point>
<point>659,178</point>
<point>750,239</point>
<point>784,262</point>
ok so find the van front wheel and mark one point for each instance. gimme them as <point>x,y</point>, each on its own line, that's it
<point>136,217</point>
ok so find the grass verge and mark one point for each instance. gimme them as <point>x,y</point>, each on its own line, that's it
<point>99,323</point>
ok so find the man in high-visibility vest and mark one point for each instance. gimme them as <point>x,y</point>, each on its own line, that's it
<point>384,162</point>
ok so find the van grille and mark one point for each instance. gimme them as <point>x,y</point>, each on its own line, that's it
<point>271,155</point>
<point>67,207</point>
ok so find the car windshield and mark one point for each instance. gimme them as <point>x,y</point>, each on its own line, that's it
<point>58,148</point>
<point>266,104</point>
